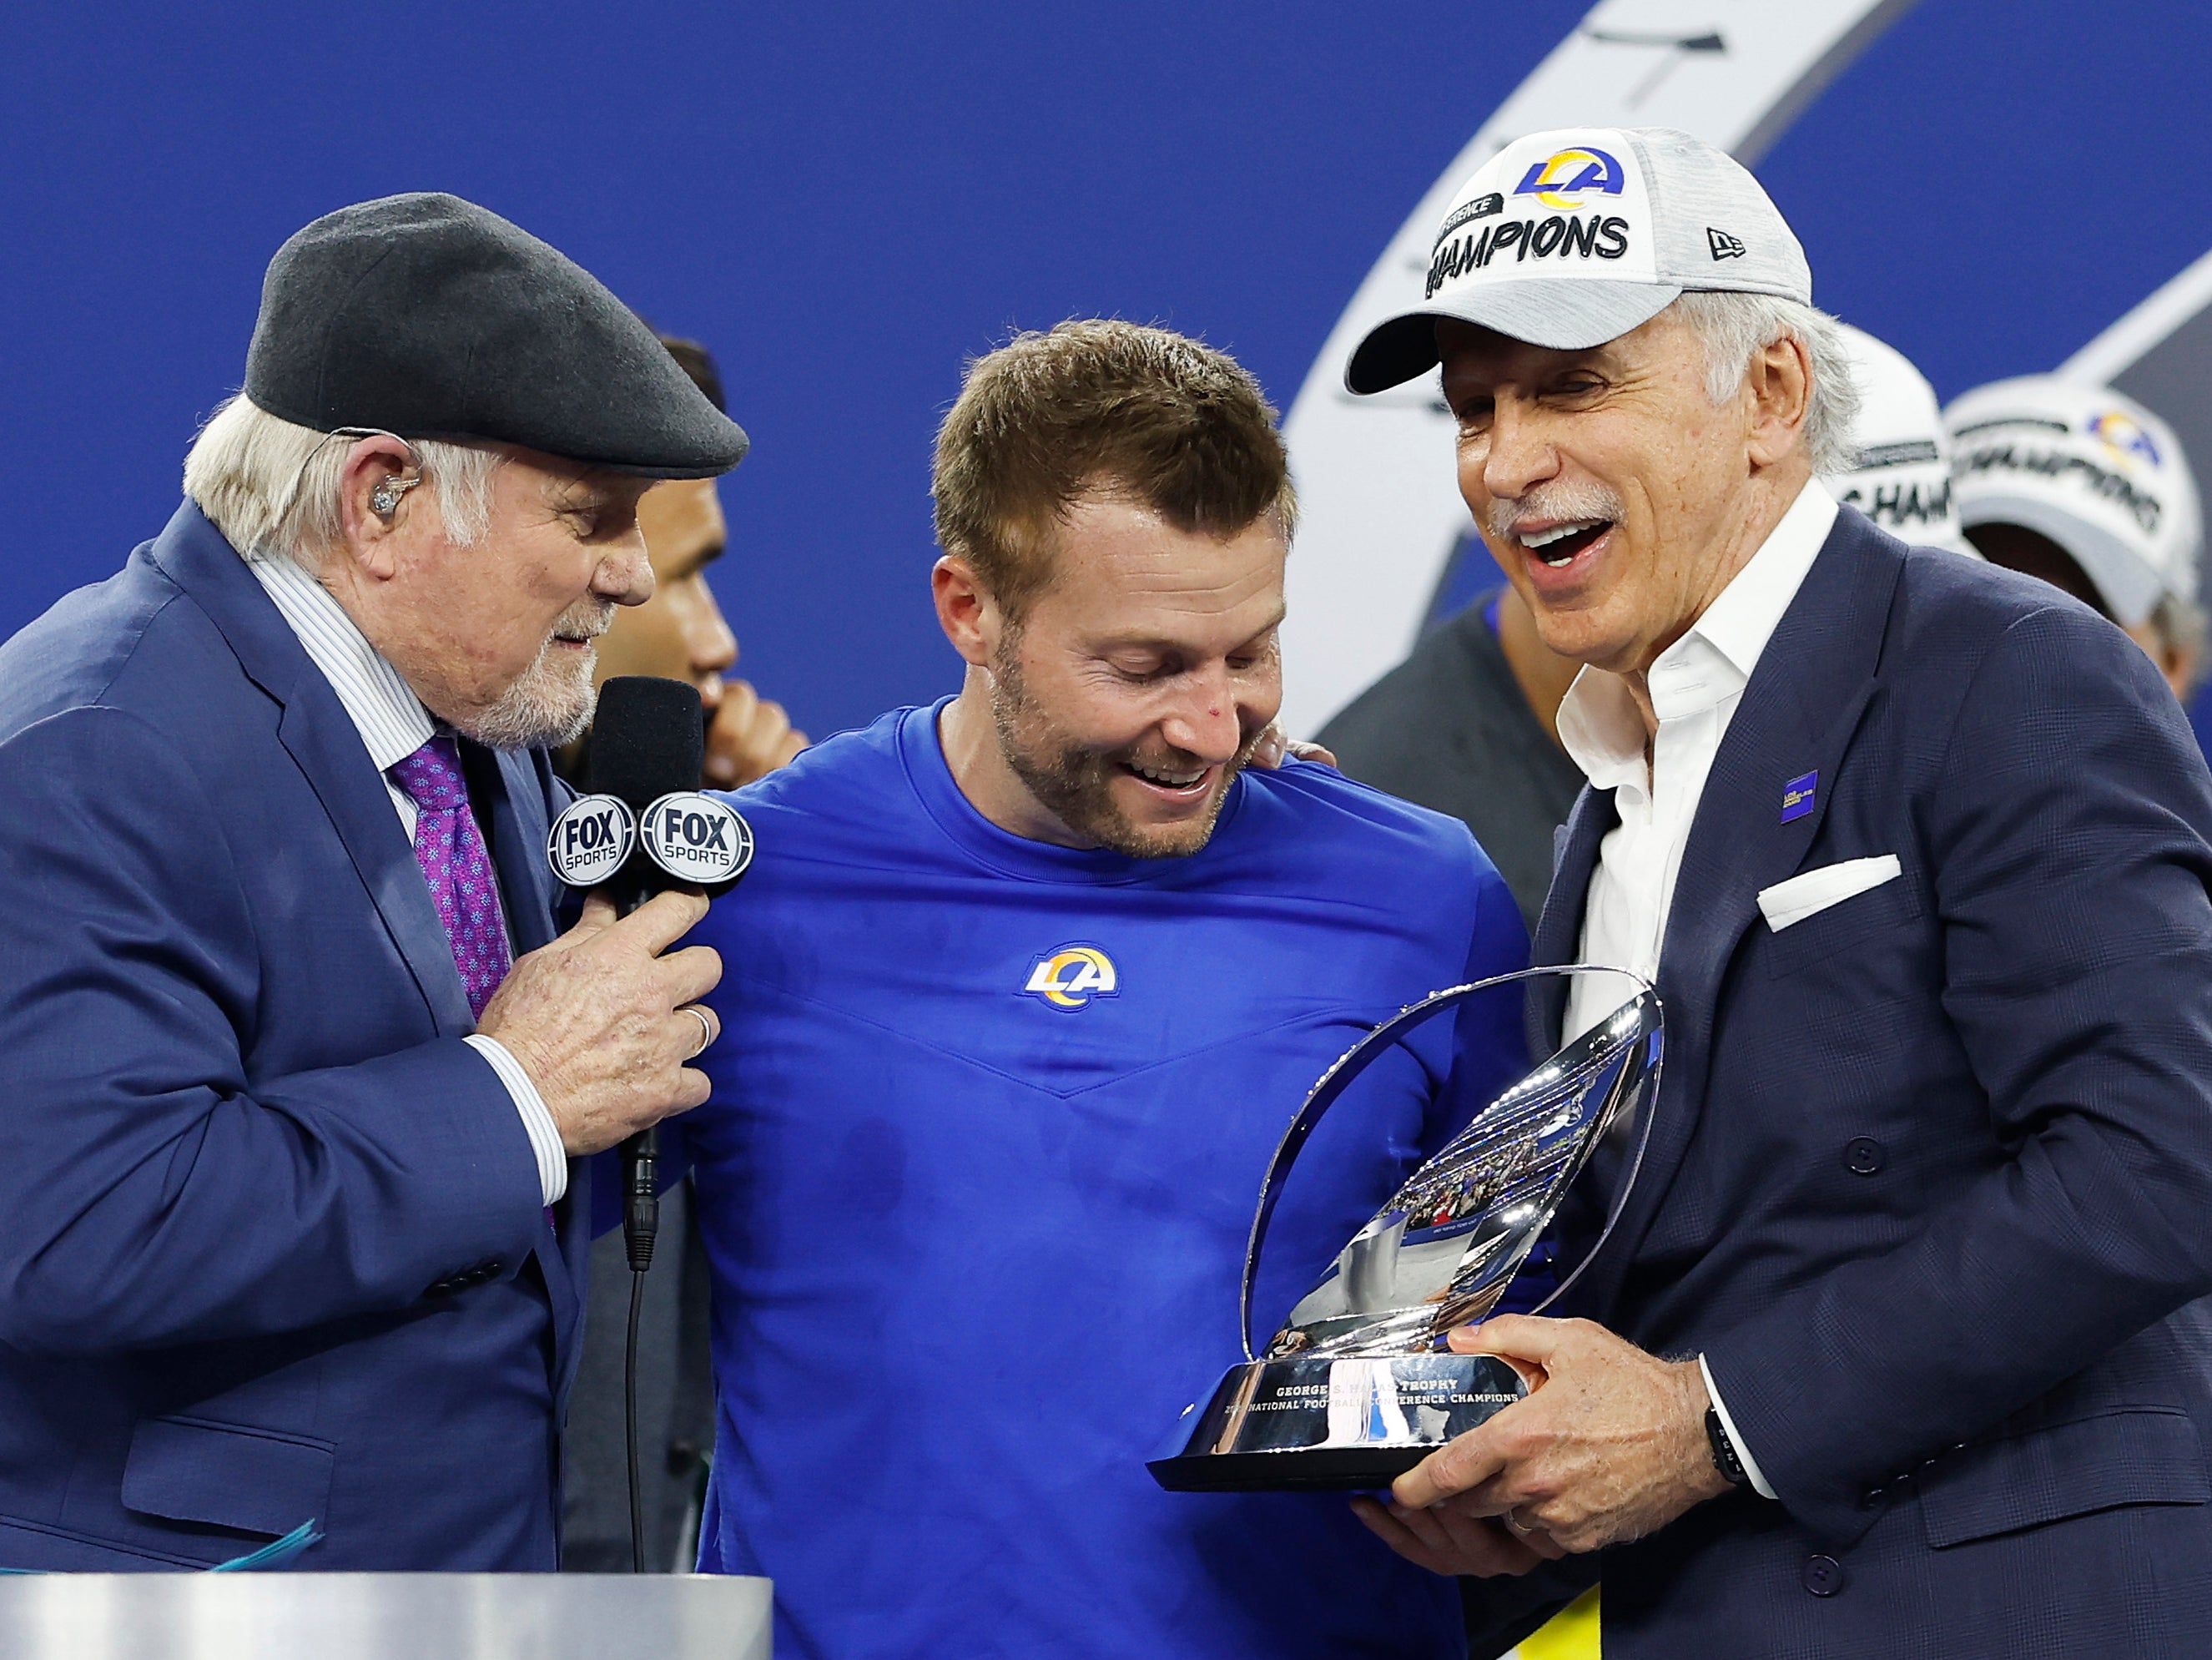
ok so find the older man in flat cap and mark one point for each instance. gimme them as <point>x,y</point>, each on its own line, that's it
<point>1895,1347</point>
<point>298,1075</point>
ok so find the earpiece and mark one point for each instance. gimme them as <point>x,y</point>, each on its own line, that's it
<point>384,500</point>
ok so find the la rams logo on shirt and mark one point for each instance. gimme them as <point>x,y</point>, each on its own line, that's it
<point>1069,977</point>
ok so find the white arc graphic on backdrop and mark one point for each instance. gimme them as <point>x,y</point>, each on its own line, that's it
<point>1380,514</point>
<point>2148,326</point>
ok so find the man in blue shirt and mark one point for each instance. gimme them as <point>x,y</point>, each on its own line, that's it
<point>1020,995</point>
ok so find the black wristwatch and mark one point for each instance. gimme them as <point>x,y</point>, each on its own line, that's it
<point>1724,1454</point>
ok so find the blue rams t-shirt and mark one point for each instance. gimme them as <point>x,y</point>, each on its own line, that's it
<point>988,1123</point>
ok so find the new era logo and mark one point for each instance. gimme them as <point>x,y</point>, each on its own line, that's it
<point>1724,245</point>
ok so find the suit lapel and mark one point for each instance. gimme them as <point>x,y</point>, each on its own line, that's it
<point>320,737</point>
<point>510,792</point>
<point>1799,712</point>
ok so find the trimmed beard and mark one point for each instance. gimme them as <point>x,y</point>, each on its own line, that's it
<point>551,702</point>
<point>1074,782</point>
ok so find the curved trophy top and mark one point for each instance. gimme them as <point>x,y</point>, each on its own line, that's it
<point>1440,1252</point>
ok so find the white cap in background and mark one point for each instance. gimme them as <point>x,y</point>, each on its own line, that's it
<point>1571,238</point>
<point>2093,471</point>
<point>1902,478</point>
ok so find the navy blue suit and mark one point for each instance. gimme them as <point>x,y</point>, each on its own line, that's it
<point>1930,1175</point>
<point>274,1245</point>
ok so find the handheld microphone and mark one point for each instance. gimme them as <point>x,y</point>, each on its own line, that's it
<point>646,744</point>
<point>643,829</point>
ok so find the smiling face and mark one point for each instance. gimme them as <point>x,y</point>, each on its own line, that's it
<point>1132,691</point>
<point>497,637</point>
<point>1618,497</point>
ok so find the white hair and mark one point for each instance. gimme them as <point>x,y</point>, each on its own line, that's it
<point>1734,328</point>
<point>272,487</point>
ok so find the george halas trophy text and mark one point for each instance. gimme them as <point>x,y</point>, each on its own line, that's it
<point>1358,1385</point>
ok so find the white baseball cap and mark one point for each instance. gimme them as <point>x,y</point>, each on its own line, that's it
<point>1901,477</point>
<point>1571,238</point>
<point>2091,469</point>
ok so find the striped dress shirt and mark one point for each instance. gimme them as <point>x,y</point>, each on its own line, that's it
<point>393,724</point>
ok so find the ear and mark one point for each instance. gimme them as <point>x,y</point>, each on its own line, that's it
<point>965,611</point>
<point>2174,658</point>
<point>375,491</point>
<point>1781,384</point>
<point>2180,668</point>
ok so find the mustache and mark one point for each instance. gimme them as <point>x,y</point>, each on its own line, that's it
<point>586,621</point>
<point>1175,760</point>
<point>1565,500</point>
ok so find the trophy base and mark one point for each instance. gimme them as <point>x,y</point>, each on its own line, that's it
<point>1312,1424</point>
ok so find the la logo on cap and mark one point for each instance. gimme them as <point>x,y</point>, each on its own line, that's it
<point>2124,436</point>
<point>1563,179</point>
<point>1568,239</point>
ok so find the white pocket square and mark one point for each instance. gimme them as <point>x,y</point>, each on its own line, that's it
<point>1813,890</point>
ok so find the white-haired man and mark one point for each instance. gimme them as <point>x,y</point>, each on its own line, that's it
<point>296,1067</point>
<point>1469,723</point>
<point>1892,1345</point>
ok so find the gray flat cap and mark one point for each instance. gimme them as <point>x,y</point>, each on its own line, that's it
<point>433,318</point>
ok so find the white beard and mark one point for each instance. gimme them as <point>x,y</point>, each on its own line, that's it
<point>550,703</point>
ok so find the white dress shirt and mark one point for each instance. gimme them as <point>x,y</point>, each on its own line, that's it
<point>393,724</point>
<point>1695,685</point>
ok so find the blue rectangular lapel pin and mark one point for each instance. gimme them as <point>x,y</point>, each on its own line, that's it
<point>1798,796</point>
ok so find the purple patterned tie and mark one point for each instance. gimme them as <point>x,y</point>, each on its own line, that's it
<point>458,866</point>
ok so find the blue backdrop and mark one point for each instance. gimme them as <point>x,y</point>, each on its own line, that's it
<point>844,201</point>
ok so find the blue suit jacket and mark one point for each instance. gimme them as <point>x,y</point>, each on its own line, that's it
<point>1929,1180</point>
<point>274,1245</point>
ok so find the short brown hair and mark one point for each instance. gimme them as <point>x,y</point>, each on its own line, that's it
<point>1183,428</point>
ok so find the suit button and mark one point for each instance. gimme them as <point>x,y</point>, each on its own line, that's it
<point>1864,1155</point>
<point>1824,1575</point>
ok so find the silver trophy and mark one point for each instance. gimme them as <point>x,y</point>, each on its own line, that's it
<point>1358,1386</point>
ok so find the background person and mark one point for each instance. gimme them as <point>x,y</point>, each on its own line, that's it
<point>1468,725</point>
<point>294,1226</point>
<point>2088,490</point>
<point>1025,985</point>
<point>1917,852</point>
<point>679,634</point>
<point>1896,468</point>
